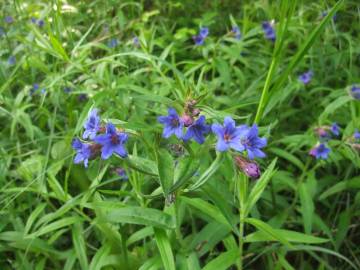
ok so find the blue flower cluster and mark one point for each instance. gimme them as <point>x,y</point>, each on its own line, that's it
<point>239,138</point>
<point>200,38</point>
<point>107,140</point>
<point>229,136</point>
<point>194,129</point>
<point>235,30</point>
<point>355,92</point>
<point>38,22</point>
<point>269,30</point>
<point>325,133</point>
<point>306,77</point>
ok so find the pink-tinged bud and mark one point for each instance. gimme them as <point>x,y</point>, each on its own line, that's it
<point>195,112</point>
<point>321,132</point>
<point>250,168</point>
<point>187,120</point>
<point>356,146</point>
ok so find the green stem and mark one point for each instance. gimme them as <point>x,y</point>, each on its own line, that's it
<point>241,240</point>
<point>242,191</point>
<point>124,247</point>
<point>265,92</point>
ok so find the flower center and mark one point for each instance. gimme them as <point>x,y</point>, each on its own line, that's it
<point>174,122</point>
<point>245,141</point>
<point>227,137</point>
<point>114,139</point>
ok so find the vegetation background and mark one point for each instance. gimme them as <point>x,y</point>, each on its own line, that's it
<point>61,58</point>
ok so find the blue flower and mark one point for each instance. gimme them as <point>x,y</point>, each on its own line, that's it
<point>200,38</point>
<point>82,97</point>
<point>306,77</point>
<point>43,90</point>
<point>229,136</point>
<point>356,134</point>
<point>122,173</point>
<point>9,19</point>
<point>197,130</point>
<point>112,142</point>
<point>204,32</point>
<point>269,30</point>
<point>325,13</point>
<point>172,124</point>
<point>236,32</point>
<point>113,43</point>
<point>355,92</point>
<point>320,151</point>
<point>12,60</point>
<point>335,129</point>
<point>40,23</point>
<point>35,87</point>
<point>92,124</point>
<point>83,152</point>
<point>253,143</point>
<point>136,41</point>
<point>67,89</point>
<point>33,20</point>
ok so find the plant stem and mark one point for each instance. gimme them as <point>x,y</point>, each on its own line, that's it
<point>242,192</point>
<point>241,238</point>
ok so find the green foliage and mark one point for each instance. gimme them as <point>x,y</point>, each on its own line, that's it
<point>184,205</point>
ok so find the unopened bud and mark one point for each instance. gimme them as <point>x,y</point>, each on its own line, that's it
<point>321,132</point>
<point>250,168</point>
<point>195,112</point>
<point>187,120</point>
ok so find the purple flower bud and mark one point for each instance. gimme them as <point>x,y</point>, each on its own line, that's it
<point>195,112</point>
<point>250,168</point>
<point>355,92</point>
<point>9,19</point>
<point>321,132</point>
<point>122,173</point>
<point>187,120</point>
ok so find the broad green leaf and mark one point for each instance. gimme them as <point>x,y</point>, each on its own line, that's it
<point>307,206</point>
<point>164,247</point>
<point>80,245</point>
<point>138,215</point>
<point>63,222</point>
<point>165,164</point>
<point>259,187</point>
<point>206,208</point>
<point>268,230</point>
<point>100,258</point>
<point>223,261</point>
<point>290,236</point>
<point>353,183</point>
<point>208,173</point>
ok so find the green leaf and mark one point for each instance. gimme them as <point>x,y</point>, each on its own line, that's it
<point>138,215</point>
<point>206,208</point>
<point>307,207</point>
<point>353,183</point>
<point>79,245</point>
<point>268,230</point>
<point>164,247</point>
<point>100,258</point>
<point>64,222</point>
<point>165,164</point>
<point>259,187</point>
<point>208,173</point>
<point>184,170</point>
<point>223,261</point>
<point>290,236</point>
